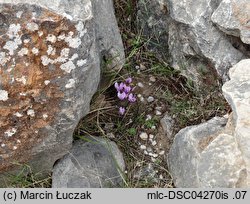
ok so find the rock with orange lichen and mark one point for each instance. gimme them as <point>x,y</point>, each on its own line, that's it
<point>49,70</point>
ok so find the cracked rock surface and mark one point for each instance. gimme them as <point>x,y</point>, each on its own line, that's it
<point>50,60</point>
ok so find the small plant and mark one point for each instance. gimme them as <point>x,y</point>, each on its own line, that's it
<point>125,93</point>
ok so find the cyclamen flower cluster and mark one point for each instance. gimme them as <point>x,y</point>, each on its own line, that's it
<point>124,91</point>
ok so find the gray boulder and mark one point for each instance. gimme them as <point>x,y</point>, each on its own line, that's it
<point>97,163</point>
<point>233,18</point>
<point>49,71</point>
<point>216,153</point>
<point>198,46</point>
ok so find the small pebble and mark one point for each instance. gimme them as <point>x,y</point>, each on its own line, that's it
<point>137,67</point>
<point>153,159</point>
<point>142,99</point>
<point>111,135</point>
<point>150,84</point>
<point>153,127</point>
<point>145,152</point>
<point>143,147</point>
<point>152,79</point>
<point>149,149</point>
<point>144,136</point>
<point>151,136</point>
<point>158,108</point>
<point>142,67</point>
<point>148,117</point>
<point>139,95</point>
<point>161,177</point>
<point>158,112</point>
<point>150,154</point>
<point>154,155</point>
<point>150,99</point>
<point>154,143</point>
<point>140,85</point>
<point>162,152</point>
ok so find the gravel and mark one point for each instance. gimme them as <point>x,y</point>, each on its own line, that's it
<point>144,136</point>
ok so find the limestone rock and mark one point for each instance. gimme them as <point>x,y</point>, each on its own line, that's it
<point>49,70</point>
<point>93,164</point>
<point>196,45</point>
<point>237,93</point>
<point>233,18</point>
<point>216,153</point>
<point>109,39</point>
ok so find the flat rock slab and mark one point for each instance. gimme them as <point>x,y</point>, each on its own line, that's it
<point>94,164</point>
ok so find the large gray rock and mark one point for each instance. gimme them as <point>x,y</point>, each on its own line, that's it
<point>49,69</point>
<point>109,40</point>
<point>237,93</point>
<point>94,164</point>
<point>216,154</point>
<point>233,18</point>
<point>195,44</point>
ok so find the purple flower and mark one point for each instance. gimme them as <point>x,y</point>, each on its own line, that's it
<point>127,89</point>
<point>128,80</point>
<point>122,95</point>
<point>131,98</point>
<point>122,110</point>
<point>119,87</point>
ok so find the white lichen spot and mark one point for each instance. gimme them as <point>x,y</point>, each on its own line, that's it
<point>3,145</point>
<point>81,62</point>
<point>73,42</point>
<point>32,26</point>
<point>34,14</point>
<point>15,147</point>
<point>36,131</point>
<point>13,30</point>
<point>23,51</point>
<point>45,116</point>
<point>19,14</point>
<point>40,33</point>
<point>26,41</point>
<point>45,60</point>
<point>18,141</point>
<point>11,132</point>
<point>80,29</point>
<point>61,37</point>
<point>27,64</point>
<point>31,112</point>
<point>3,95</point>
<point>51,50</point>
<point>46,82</point>
<point>3,58</point>
<point>22,80</point>
<point>75,56</point>
<point>11,46</point>
<point>68,66</point>
<point>35,51</point>
<point>19,115</point>
<point>23,94</point>
<point>71,84</point>
<point>51,38</point>
<point>13,35</point>
<point>64,55</point>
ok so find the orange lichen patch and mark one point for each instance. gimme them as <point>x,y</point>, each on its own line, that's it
<point>35,44</point>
